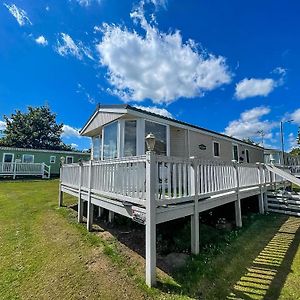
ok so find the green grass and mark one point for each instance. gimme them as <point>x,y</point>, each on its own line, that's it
<point>46,254</point>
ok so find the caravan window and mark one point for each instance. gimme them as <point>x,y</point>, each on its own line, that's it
<point>216,149</point>
<point>96,147</point>
<point>110,142</point>
<point>235,152</point>
<point>160,132</point>
<point>130,138</point>
<point>28,158</point>
<point>247,156</point>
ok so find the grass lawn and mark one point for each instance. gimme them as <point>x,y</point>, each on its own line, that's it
<point>45,254</point>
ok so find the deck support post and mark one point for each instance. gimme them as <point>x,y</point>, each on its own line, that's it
<point>261,188</point>
<point>195,240</point>
<point>60,193</point>
<point>100,211</point>
<point>237,203</point>
<point>90,208</point>
<point>111,216</point>
<point>150,219</point>
<point>80,201</point>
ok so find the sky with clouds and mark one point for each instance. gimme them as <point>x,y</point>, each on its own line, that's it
<point>232,67</point>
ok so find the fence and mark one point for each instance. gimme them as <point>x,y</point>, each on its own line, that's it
<point>173,179</point>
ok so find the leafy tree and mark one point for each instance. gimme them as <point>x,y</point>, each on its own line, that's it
<point>36,129</point>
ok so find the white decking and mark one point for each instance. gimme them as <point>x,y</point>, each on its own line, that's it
<point>153,189</point>
<point>24,169</point>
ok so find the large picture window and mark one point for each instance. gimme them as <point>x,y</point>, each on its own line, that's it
<point>96,147</point>
<point>130,138</point>
<point>110,142</point>
<point>28,158</point>
<point>160,132</point>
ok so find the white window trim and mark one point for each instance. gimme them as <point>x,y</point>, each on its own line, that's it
<point>167,134</point>
<point>28,155</point>
<point>100,147</point>
<point>213,149</point>
<point>238,151</point>
<point>52,162</point>
<point>13,156</point>
<point>70,157</point>
<point>118,138</point>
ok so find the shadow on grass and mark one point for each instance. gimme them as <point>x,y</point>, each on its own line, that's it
<point>261,275</point>
<point>266,276</point>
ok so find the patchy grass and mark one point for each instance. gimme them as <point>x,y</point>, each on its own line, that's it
<point>46,254</point>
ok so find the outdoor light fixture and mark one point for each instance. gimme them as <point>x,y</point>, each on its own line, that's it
<point>80,163</point>
<point>150,141</point>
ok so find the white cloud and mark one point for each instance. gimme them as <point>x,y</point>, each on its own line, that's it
<point>250,122</point>
<point>155,110</point>
<point>2,125</point>
<point>158,66</point>
<point>19,14</point>
<point>87,3</point>
<point>254,87</point>
<point>67,46</point>
<point>69,131</point>
<point>73,145</point>
<point>280,71</point>
<point>41,40</point>
<point>295,116</point>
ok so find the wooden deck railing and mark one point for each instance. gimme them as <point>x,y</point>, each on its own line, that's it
<point>24,169</point>
<point>173,179</point>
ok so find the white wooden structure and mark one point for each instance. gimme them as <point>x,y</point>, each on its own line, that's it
<point>15,169</point>
<point>152,189</point>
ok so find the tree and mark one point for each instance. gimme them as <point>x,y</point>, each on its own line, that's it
<point>36,129</point>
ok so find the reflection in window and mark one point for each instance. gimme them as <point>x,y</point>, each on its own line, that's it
<point>96,147</point>
<point>130,138</point>
<point>110,143</point>
<point>28,158</point>
<point>160,132</point>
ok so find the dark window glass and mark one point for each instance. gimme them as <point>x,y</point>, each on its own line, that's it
<point>247,156</point>
<point>235,153</point>
<point>216,149</point>
<point>130,138</point>
<point>110,146</point>
<point>160,132</point>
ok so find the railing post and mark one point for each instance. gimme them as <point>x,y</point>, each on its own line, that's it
<point>150,218</point>
<point>90,207</point>
<point>43,170</point>
<point>261,187</point>
<point>14,165</point>
<point>237,203</point>
<point>80,201</point>
<point>60,193</point>
<point>49,172</point>
<point>195,217</point>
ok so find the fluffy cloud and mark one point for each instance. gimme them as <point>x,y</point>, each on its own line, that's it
<point>254,87</point>
<point>250,122</point>
<point>19,14</point>
<point>67,46</point>
<point>295,116</point>
<point>158,66</point>
<point>41,40</point>
<point>69,131</point>
<point>2,125</point>
<point>155,110</point>
<point>87,3</point>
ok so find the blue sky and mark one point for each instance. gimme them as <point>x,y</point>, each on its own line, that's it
<point>229,66</point>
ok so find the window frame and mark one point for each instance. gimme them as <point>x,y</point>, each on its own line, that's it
<point>7,153</point>
<point>247,156</point>
<point>50,159</point>
<point>100,146</point>
<point>167,135</point>
<point>32,155</point>
<point>213,149</point>
<point>118,139</point>
<point>238,152</point>
<point>122,144</point>
<point>69,156</point>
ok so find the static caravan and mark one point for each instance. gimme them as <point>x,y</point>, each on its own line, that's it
<point>25,157</point>
<point>120,130</point>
